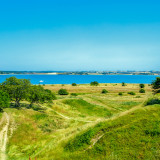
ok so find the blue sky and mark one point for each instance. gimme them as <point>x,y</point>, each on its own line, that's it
<point>79,35</point>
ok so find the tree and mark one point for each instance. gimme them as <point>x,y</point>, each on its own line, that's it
<point>94,83</point>
<point>16,88</point>
<point>142,90</point>
<point>104,91</point>
<point>123,84</point>
<point>120,93</point>
<point>74,84</point>
<point>4,100</point>
<point>63,92</point>
<point>37,94</point>
<point>156,85</point>
<point>141,85</point>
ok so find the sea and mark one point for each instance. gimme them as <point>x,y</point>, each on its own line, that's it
<point>82,79</point>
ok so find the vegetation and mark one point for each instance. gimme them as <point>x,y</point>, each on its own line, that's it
<point>104,91</point>
<point>132,93</point>
<point>123,84</point>
<point>74,94</point>
<point>21,89</point>
<point>153,101</point>
<point>37,94</point>
<point>141,85</point>
<point>16,88</point>
<point>74,84</point>
<point>156,85</point>
<point>63,92</point>
<point>4,100</point>
<point>90,126</point>
<point>120,93</point>
<point>94,83</point>
<point>142,90</point>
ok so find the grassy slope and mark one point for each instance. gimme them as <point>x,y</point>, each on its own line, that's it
<point>134,136</point>
<point>53,133</point>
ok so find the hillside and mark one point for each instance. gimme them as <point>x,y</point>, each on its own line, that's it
<point>90,125</point>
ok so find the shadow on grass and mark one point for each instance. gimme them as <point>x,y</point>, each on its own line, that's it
<point>35,107</point>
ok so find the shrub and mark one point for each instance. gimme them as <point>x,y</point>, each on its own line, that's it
<point>94,83</point>
<point>63,92</point>
<point>123,84</point>
<point>74,94</point>
<point>104,91</point>
<point>141,85</point>
<point>156,85</point>
<point>138,96</point>
<point>74,84</point>
<point>152,101</point>
<point>142,91</point>
<point>132,93</point>
<point>120,93</point>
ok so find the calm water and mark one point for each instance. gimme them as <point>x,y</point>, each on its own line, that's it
<point>80,79</point>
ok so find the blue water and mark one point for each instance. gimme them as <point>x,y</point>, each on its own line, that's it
<point>81,79</point>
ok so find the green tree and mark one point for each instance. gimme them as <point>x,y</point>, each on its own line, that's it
<point>120,93</point>
<point>16,88</point>
<point>37,94</point>
<point>63,92</point>
<point>123,84</point>
<point>74,84</point>
<point>141,85</point>
<point>104,91</point>
<point>4,100</point>
<point>142,90</point>
<point>156,85</point>
<point>94,83</point>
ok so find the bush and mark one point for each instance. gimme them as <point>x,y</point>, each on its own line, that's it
<point>74,84</point>
<point>74,94</point>
<point>120,93</point>
<point>95,83</point>
<point>132,93</point>
<point>156,85</point>
<point>142,91</point>
<point>123,84</point>
<point>152,101</point>
<point>104,91</point>
<point>141,85</point>
<point>63,92</point>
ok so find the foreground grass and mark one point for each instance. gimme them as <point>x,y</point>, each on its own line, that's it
<point>84,127</point>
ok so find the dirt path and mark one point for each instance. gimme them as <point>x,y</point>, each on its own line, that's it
<point>4,136</point>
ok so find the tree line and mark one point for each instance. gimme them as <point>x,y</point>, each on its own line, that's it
<point>16,90</point>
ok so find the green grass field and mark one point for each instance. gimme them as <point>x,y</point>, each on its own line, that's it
<point>91,125</point>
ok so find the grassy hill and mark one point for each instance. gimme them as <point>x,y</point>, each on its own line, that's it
<point>91,125</point>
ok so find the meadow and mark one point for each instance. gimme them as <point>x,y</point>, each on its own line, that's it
<point>87,125</point>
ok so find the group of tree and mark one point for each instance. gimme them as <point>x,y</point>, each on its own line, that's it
<point>16,90</point>
<point>142,86</point>
<point>94,83</point>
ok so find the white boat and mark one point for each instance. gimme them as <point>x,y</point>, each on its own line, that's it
<point>40,81</point>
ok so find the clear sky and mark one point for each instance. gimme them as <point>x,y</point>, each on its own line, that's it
<point>79,35</point>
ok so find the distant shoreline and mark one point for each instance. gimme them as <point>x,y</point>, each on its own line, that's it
<point>152,74</point>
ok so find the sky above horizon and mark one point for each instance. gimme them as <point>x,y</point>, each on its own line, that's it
<point>69,35</point>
